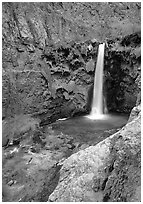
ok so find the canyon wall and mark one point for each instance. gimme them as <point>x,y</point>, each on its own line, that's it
<point>50,51</point>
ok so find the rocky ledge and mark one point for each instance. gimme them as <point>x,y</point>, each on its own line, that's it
<point>109,171</point>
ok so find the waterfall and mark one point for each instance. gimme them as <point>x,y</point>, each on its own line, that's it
<point>97,109</point>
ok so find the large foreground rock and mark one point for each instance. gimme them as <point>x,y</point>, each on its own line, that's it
<point>109,171</point>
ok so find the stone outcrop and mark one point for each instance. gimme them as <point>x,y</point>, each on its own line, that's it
<point>109,171</point>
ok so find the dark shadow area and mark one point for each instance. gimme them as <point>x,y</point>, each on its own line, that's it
<point>50,183</point>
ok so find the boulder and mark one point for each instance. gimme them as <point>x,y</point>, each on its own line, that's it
<point>105,172</point>
<point>135,111</point>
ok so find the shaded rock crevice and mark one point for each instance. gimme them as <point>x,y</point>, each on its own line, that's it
<point>122,73</point>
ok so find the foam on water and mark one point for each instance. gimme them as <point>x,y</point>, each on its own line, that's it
<point>96,116</point>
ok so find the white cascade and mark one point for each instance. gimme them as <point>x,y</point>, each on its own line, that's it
<point>97,109</point>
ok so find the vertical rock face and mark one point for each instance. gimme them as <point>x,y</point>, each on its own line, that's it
<point>50,50</point>
<point>105,172</point>
<point>122,73</point>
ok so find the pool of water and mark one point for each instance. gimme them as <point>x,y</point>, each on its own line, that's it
<point>85,130</point>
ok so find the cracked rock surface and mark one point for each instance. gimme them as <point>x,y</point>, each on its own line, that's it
<point>109,171</point>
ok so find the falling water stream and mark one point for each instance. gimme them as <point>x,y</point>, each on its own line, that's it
<point>99,124</point>
<point>97,108</point>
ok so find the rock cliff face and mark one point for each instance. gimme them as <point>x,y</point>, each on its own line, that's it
<point>50,51</point>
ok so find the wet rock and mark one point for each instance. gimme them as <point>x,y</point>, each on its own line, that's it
<point>14,128</point>
<point>38,137</point>
<point>31,168</point>
<point>30,48</point>
<point>61,68</point>
<point>71,86</point>
<point>122,75</point>
<point>104,172</point>
<point>134,113</point>
<point>21,48</point>
<point>84,146</point>
<point>30,171</point>
<point>90,65</point>
<point>6,193</point>
<point>10,182</point>
<point>66,95</point>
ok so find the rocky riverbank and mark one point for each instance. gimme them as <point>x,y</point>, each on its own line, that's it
<point>33,156</point>
<point>107,172</point>
<point>31,159</point>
